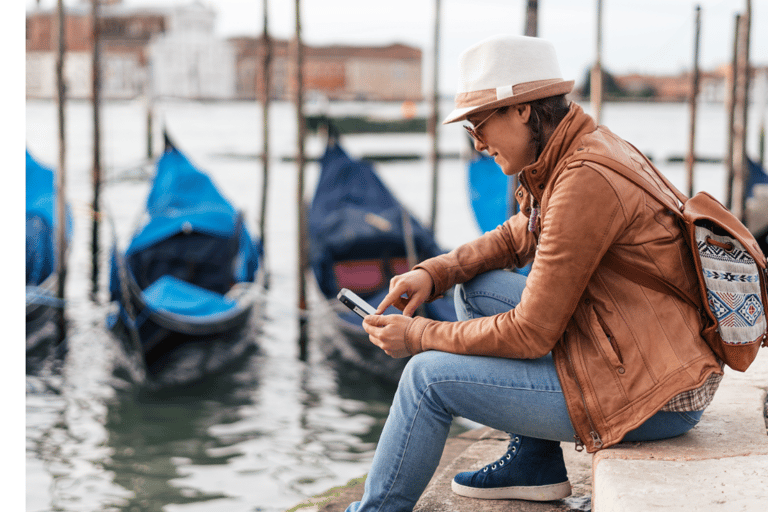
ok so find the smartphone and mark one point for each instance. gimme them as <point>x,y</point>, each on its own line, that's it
<point>355,303</point>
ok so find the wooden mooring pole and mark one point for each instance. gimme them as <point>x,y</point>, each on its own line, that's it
<point>596,78</point>
<point>96,96</point>
<point>761,91</point>
<point>150,118</point>
<point>302,213</point>
<point>433,118</point>
<point>740,104</point>
<point>61,238</point>
<point>532,18</point>
<point>266,81</point>
<point>691,157</point>
<point>741,150</point>
<point>731,105</point>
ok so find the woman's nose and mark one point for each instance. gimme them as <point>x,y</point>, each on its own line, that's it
<point>480,146</point>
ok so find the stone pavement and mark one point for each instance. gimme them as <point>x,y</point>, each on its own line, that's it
<point>468,451</point>
<point>721,465</point>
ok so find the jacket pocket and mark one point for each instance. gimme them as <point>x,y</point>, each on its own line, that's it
<point>606,341</point>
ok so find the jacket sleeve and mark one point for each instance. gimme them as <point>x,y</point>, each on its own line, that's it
<point>583,217</point>
<point>509,245</point>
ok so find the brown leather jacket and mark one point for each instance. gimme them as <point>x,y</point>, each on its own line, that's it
<point>621,351</point>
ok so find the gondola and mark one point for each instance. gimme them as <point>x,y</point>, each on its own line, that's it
<point>189,277</point>
<point>360,237</point>
<point>42,278</point>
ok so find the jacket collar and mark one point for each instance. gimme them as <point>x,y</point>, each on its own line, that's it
<point>563,142</point>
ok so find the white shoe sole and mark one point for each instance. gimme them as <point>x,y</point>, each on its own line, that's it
<point>532,493</point>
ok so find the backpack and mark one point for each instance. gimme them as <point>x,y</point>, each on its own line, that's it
<point>730,266</point>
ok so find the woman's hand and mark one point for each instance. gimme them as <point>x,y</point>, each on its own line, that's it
<point>407,292</point>
<point>388,333</point>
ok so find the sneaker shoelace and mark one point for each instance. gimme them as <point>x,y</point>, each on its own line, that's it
<point>512,448</point>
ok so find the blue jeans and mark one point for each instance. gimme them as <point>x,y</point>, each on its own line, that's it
<point>514,395</point>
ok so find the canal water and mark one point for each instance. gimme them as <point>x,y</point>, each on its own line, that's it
<point>268,430</point>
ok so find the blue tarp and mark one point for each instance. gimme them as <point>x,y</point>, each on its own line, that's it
<point>757,175</point>
<point>183,198</point>
<point>488,193</point>
<point>354,216</point>
<point>182,298</point>
<point>489,196</point>
<point>41,221</point>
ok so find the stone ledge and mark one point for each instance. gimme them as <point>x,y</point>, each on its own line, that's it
<point>722,464</point>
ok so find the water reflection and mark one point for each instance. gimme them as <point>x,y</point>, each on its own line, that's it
<point>263,432</point>
<point>154,433</point>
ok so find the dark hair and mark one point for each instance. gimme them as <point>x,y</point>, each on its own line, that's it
<point>546,114</point>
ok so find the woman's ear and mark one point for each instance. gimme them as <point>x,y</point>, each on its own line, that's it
<point>524,111</point>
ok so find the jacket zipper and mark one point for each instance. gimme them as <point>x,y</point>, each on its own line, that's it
<point>593,432</point>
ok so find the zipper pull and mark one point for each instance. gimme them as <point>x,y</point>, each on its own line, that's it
<point>579,443</point>
<point>596,440</point>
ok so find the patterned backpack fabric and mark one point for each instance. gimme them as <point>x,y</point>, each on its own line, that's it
<point>730,265</point>
<point>732,281</point>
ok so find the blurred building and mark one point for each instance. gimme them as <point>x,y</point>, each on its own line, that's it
<point>173,52</point>
<point>714,86</point>
<point>125,34</point>
<point>336,72</point>
<point>188,61</point>
<point>145,50</point>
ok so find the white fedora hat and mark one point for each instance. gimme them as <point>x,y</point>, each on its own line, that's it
<point>506,70</point>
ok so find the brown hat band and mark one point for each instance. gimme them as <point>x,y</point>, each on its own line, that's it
<point>477,98</point>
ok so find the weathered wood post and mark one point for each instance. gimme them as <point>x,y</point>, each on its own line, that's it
<point>731,105</point>
<point>690,158</point>
<point>741,150</point>
<point>596,79</point>
<point>96,98</point>
<point>266,81</point>
<point>61,238</point>
<point>433,118</point>
<point>302,213</point>
<point>739,163</point>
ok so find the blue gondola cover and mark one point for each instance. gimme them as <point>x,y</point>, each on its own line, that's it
<point>184,200</point>
<point>354,216</point>
<point>488,192</point>
<point>182,298</point>
<point>757,176</point>
<point>41,221</point>
<point>489,196</point>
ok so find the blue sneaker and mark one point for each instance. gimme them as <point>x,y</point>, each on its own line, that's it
<point>532,469</point>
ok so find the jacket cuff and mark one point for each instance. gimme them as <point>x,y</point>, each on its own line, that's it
<point>414,335</point>
<point>436,291</point>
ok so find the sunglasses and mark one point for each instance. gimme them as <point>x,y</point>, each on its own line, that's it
<point>475,132</point>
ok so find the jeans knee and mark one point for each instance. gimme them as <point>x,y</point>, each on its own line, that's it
<point>419,369</point>
<point>488,294</point>
<point>427,368</point>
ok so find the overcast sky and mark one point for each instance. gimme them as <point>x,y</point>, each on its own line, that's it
<point>648,36</point>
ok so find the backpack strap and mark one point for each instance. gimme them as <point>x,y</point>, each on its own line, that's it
<point>622,267</point>
<point>637,179</point>
<point>646,279</point>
